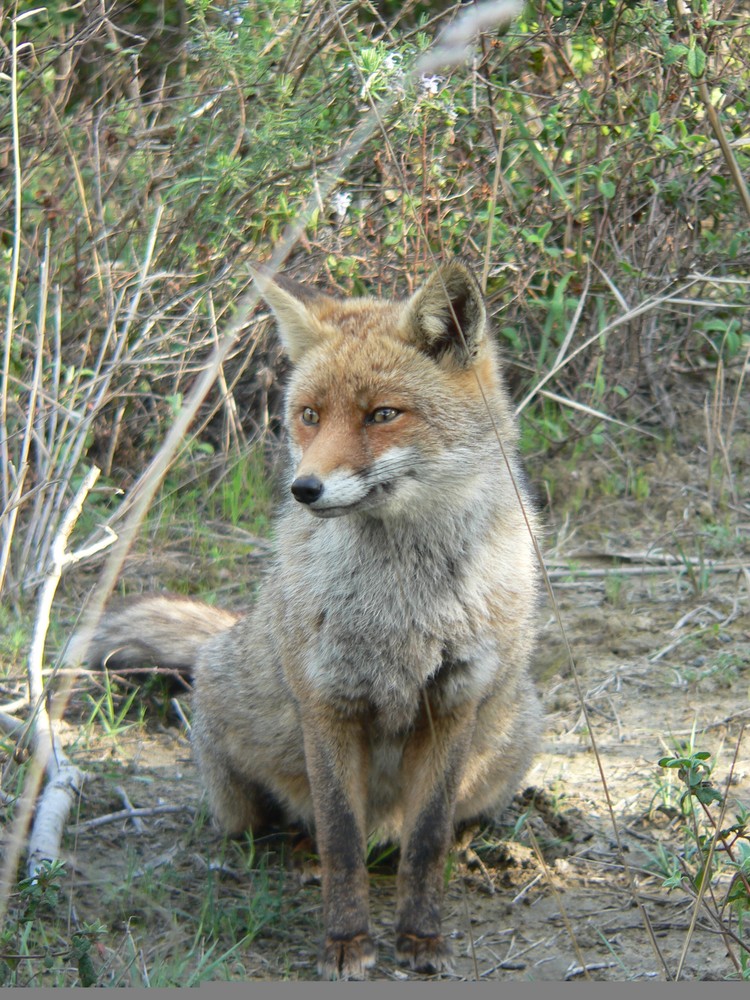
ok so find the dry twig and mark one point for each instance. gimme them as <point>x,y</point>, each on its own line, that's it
<point>131,813</point>
<point>64,779</point>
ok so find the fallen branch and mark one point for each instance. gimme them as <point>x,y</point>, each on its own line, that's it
<point>180,714</point>
<point>11,707</point>
<point>130,808</point>
<point>10,725</point>
<point>644,569</point>
<point>132,813</point>
<point>64,779</point>
<point>583,970</point>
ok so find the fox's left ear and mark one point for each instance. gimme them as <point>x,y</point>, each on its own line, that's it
<point>447,316</point>
<point>298,325</point>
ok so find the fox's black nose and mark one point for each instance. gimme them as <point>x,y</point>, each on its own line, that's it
<point>307,489</point>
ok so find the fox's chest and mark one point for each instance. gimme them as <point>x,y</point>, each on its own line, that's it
<point>376,625</point>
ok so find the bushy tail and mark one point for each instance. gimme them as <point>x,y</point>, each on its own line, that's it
<point>161,630</point>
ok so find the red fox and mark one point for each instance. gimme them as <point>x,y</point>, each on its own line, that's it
<point>379,687</point>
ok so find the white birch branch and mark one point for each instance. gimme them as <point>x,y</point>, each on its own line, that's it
<point>64,779</point>
<point>10,725</point>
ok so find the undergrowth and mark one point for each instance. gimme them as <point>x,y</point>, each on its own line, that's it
<point>149,156</point>
<point>713,863</point>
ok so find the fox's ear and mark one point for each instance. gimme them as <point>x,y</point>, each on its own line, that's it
<point>447,316</point>
<point>299,327</point>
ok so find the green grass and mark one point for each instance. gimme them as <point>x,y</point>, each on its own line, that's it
<point>176,924</point>
<point>111,709</point>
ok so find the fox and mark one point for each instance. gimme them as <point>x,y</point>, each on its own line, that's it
<point>379,686</point>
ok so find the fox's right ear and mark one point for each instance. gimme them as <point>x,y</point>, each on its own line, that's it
<point>299,327</point>
<point>447,318</point>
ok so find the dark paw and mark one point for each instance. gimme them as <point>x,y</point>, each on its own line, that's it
<point>424,954</point>
<point>347,959</point>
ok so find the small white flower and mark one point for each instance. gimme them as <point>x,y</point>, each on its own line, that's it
<point>431,84</point>
<point>392,60</point>
<point>341,202</point>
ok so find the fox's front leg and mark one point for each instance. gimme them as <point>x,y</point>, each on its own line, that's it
<point>337,763</point>
<point>433,764</point>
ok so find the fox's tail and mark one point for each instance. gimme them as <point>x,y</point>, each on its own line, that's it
<point>162,630</point>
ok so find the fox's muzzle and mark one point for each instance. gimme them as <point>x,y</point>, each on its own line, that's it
<point>342,491</point>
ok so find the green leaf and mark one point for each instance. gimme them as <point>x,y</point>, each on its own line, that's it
<point>700,875</point>
<point>674,53</point>
<point>706,794</point>
<point>538,156</point>
<point>673,762</point>
<point>696,61</point>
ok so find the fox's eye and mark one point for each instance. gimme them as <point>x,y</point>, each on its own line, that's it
<point>383,415</point>
<point>310,416</point>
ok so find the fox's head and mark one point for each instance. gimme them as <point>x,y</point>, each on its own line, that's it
<point>389,402</point>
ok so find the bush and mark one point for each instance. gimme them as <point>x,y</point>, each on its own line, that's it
<point>575,160</point>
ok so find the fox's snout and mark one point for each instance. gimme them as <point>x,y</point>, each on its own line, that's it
<point>343,490</point>
<point>332,495</point>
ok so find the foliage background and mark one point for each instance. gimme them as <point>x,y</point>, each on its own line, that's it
<point>161,147</point>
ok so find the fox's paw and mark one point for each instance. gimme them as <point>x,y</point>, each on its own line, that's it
<point>424,954</point>
<point>305,863</point>
<point>348,959</point>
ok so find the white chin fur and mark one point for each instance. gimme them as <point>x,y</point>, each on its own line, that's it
<point>328,507</point>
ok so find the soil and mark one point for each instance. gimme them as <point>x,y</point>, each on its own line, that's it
<point>661,657</point>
